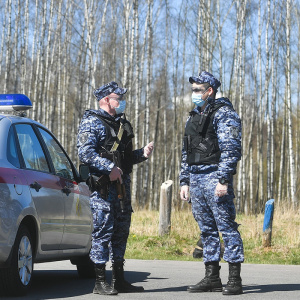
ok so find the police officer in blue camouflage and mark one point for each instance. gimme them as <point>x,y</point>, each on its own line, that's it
<point>211,151</point>
<point>99,132</point>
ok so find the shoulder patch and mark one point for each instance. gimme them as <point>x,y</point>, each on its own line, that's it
<point>234,131</point>
<point>83,137</point>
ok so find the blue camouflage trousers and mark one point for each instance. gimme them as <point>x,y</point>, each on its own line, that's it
<point>215,214</point>
<point>111,227</point>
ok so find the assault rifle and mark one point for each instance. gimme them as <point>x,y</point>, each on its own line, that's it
<point>115,157</point>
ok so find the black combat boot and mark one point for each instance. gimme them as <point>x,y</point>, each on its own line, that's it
<point>211,282</point>
<point>118,281</point>
<point>101,286</point>
<point>234,284</point>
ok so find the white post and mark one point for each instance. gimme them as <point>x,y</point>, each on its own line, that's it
<point>165,207</point>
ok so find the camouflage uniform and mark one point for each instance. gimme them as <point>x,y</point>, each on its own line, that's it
<point>111,227</point>
<point>216,214</point>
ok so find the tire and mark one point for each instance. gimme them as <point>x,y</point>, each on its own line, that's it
<point>85,268</point>
<point>16,280</point>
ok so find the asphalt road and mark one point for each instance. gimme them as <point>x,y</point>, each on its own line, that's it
<point>165,280</point>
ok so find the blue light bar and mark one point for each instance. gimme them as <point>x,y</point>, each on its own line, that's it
<point>17,102</point>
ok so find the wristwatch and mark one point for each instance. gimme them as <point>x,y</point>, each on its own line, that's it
<point>223,180</point>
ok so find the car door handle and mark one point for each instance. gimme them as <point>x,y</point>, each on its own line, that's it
<point>66,190</point>
<point>35,186</point>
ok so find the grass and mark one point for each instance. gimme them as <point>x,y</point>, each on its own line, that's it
<point>145,243</point>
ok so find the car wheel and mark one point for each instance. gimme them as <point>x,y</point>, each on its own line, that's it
<point>16,280</point>
<point>85,268</point>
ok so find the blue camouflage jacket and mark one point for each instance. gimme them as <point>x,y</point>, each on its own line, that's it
<point>227,125</point>
<point>91,137</point>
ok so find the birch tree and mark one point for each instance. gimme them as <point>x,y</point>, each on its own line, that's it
<point>289,104</point>
<point>8,49</point>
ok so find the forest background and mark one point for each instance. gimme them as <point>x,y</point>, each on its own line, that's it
<point>58,51</point>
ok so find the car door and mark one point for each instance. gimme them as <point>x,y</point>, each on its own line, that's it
<point>78,221</point>
<point>45,187</point>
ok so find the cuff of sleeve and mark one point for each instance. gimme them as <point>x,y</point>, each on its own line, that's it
<point>143,156</point>
<point>182,183</point>
<point>110,167</point>
<point>225,178</point>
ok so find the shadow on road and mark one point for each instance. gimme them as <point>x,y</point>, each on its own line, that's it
<point>268,288</point>
<point>54,284</point>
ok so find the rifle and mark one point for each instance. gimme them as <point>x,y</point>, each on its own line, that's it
<point>115,157</point>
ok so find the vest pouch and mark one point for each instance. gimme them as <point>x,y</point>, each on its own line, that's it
<point>208,147</point>
<point>129,130</point>
<point>186,145</point>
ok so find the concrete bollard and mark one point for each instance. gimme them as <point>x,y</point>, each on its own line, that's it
<point>268,220</point>
<point>165,208</point>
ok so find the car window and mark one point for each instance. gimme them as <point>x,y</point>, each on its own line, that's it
<point>60,161</point>
<point>12,154</point>
<point>31,149</point>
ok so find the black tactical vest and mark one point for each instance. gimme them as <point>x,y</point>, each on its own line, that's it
<point>125,146</point>
<point>200,139</point>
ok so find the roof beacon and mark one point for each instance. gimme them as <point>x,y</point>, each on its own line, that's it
<point>14,102</point>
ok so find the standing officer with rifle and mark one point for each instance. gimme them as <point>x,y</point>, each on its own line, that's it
<point>105,145</point>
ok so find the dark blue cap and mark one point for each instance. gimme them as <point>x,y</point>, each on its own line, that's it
<point>205,77</point>
<point>105,90</point>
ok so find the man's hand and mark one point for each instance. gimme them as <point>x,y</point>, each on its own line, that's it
<point>221,189</point>
<point>116,174</point>
<point>148,149</point>
<point>185,193</point>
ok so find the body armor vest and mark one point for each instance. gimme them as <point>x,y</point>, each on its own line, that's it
<point>125,145</point>
<point>200,139</point>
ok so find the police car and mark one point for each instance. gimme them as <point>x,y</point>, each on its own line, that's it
<point>44,203</point>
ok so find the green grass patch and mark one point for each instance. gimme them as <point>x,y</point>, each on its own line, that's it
<point>145,243</point>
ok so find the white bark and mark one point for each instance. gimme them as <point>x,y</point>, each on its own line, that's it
<point>148,90</point>
<point>48,71</point>
<point>2,35</point>
<point>289,105</point>
<point>267,104</point>
<point>8,50</point>
<point>24,82</point>
<point>136,99</point>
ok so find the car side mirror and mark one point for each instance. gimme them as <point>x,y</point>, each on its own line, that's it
<point>84,171</point>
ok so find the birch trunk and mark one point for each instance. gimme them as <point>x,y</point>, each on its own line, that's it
<point>41,73</point>
<point>58,66</point>
<point>141,179</point>
<point>97,46</point>
<point>136,100</point>
<point>165,151</point>
<point>282,156</point>
<point>24,82</point>
<point>8,50</point>
<point>48,72</point>
<point>289,105</point>
<point>220,46</point>
<point>3,34</point>
<point>266,88</point>
<point>33,54</point>
<point>260,121</point>
<point>16,43</point>
<point>148,91</point>
<point>89,18</point>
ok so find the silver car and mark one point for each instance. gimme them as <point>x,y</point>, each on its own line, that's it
<point>44,202</point>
